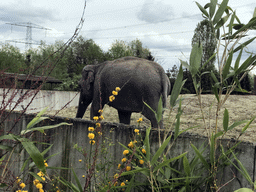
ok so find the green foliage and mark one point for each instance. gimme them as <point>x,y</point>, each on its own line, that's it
<point>226,81</point>
<point>122,49</point>
<point>156,167</point>
<point>70,84</point>
<point>11,60</point>
<point>204,34</point>
<point>49,60</point>
<point>119,49</point>
<point>22,142</point>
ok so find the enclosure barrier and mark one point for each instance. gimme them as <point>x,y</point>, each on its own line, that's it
<point>54,100</point>
<point>65,137</point>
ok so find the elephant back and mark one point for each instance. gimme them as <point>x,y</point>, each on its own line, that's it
<point>138,79</point>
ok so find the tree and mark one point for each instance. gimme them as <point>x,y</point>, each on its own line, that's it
<point>86,52</point>
<point>139,51</point>
<point>204,34</point>
<point>11,60</point>
<point>122,49</point>
<point>119,49</point>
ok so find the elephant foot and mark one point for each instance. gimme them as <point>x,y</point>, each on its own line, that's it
<point>124,117</point>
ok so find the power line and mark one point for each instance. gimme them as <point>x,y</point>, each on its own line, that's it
<point>28,41</point>
<point>148,35</point>
<point>129,8</point>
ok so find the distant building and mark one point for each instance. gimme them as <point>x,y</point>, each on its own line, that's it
<point>25,81</point>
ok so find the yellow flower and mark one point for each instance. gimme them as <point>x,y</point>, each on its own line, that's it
<point>119,165</point>
<point>118,89</point>
<point>36,181</point>
<point>45,164</point>
<point>98,124</point>
<point>131,145</point>
<point>124,160</point>
<point>136,130</point>
<point>100,133</point>
<point>122,184</point>
<point>18,180</point>
<point>114,92</point>
<point>111,98</point>
<point>101,117</point>
<point>143,151</point>
<point>39,186</point>
<point>92,142</point>
<point>41,190</point>
<point>90,129</point>
<point>40,174</point>
<point>91,136</point>
<point>95,118</point>
<point>83,176</point>
<point>125,152</point>
<point>141,161</point>
<point>18,191</point>
<point>128,168</point>
<point>80,160</point>
<point>116,175</point>
<point>22,185</point>
<point>100,111</point>
<point>115,184</point>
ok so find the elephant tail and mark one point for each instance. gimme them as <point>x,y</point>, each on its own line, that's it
<point>166,88</point>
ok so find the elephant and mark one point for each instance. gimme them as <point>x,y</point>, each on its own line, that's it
<point>139,80</point>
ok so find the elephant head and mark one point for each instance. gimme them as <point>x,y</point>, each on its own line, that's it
<point>86,87</point>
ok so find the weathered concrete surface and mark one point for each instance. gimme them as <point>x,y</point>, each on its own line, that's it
<point>55,100</point>
<point>64,138</point>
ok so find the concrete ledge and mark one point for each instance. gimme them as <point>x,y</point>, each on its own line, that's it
<point>65,137</point>
<point>55,100</point>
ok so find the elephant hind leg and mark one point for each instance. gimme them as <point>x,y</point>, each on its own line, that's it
<point>151,116</point>
<point>124,116</point>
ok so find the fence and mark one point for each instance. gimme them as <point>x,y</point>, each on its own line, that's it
<point>64,138</point>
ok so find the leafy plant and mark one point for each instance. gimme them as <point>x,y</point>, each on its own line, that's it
<point>23,141</point>
<point>228,44</point>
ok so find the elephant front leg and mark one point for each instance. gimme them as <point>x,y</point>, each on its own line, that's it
<point>124,117</point>
<point>81,109</point>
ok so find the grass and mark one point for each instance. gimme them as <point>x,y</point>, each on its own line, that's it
<point>240,107</point>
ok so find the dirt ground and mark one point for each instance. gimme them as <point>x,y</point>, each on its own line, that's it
<point>240,107</point>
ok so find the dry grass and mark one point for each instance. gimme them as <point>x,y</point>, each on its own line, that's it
<point>240,107</point>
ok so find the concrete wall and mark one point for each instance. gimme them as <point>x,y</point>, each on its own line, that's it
<point>64,138</point>
<point>55,100</point>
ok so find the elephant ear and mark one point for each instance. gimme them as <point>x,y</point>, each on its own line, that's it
<point>87,77</point>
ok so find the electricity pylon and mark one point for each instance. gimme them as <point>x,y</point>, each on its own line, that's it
<point>28,41</point>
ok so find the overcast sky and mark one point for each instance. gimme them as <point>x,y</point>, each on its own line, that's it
<point>165,27</point>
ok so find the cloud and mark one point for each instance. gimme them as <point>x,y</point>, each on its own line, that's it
<point>155,12</point>
<point>14,13</point>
